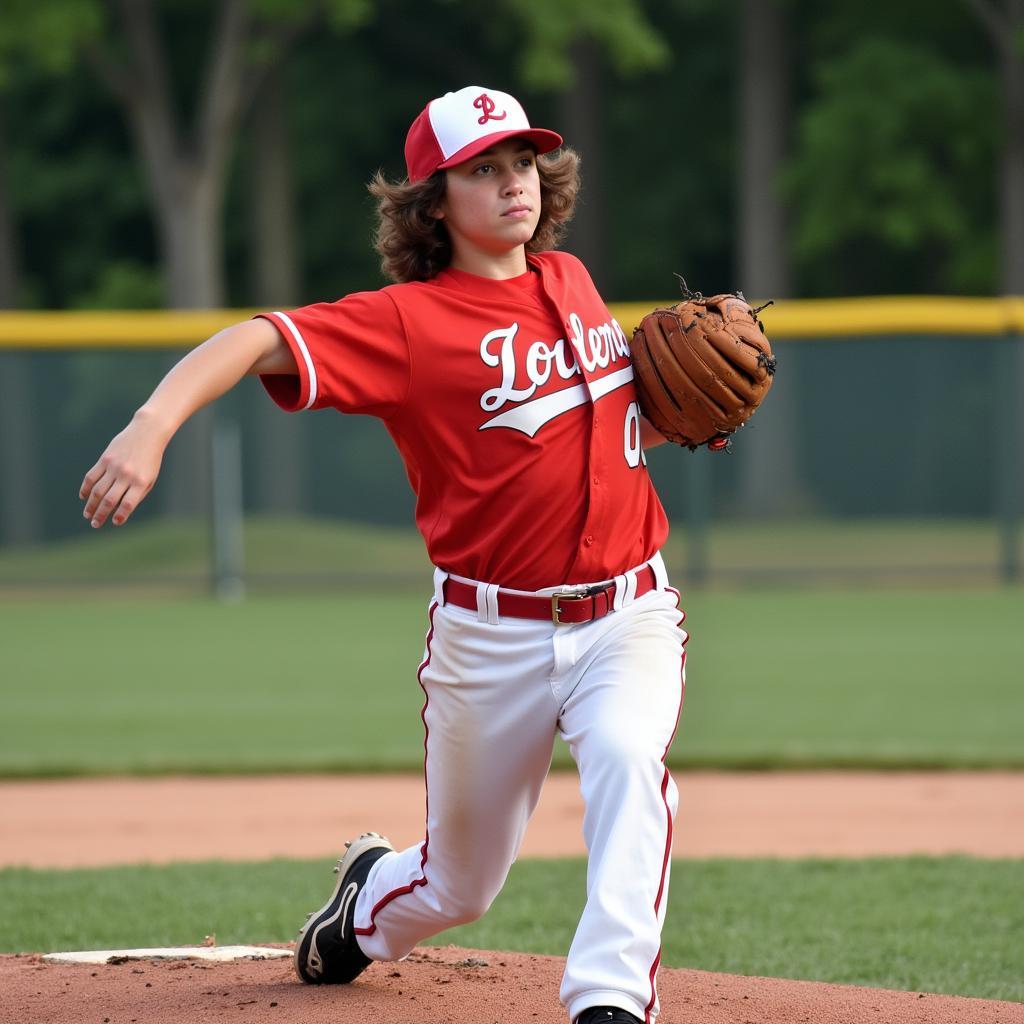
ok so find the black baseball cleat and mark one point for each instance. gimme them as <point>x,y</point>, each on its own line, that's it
<point>326,951</point>
<point>607,1015</point>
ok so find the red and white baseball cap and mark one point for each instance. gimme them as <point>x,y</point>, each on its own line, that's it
<point>458,125</point>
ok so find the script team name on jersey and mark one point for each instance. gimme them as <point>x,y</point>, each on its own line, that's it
<point>596,348</point>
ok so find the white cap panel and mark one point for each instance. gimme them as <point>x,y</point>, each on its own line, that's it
<point>459,118</point>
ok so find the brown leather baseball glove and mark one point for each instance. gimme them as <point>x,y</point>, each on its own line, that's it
<point>702,367</point>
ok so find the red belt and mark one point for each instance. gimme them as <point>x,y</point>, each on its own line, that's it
<point>564,606</point>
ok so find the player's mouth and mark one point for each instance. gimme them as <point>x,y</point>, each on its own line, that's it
<point>517,212</point>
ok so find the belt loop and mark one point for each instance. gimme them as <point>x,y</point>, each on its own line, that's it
<point>630,595</point>
<point>487,603</point>
<point>492,604</point>
<point>620,593</point>
<point>440,578</point>
<point>657,563</point>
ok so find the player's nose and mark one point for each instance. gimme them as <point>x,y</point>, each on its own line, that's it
<point>511,185</point>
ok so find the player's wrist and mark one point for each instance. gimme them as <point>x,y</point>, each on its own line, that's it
<point>155,422</point>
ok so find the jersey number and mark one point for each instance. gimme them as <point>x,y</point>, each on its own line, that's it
<point>631,437</point>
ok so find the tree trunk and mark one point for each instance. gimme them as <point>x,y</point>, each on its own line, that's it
<point>281,438</point>
<point>19,459</point>
<point>185,169</point>
<point>190,216</point>
<point>584,109</point>
<point>1011,206</point>
<point>1010,491</point>
<point>769,481</point>
<point>189,223</point>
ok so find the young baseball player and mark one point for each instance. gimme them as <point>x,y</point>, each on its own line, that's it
<point>507,387</point>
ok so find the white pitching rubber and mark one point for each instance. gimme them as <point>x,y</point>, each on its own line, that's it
<point>104,956</point>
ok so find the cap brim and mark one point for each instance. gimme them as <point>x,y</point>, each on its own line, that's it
<point>544,140</point>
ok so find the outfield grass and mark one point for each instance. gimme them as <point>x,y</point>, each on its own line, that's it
<point>939,925</point>
<point>305,549</point>
<point>180,550</point>
<point>774,679</point>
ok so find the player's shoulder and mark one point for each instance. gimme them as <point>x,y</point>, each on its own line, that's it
<point>560,259</point>
<point>557,263</point>
<point>563,270</point>
<point>355,308</point>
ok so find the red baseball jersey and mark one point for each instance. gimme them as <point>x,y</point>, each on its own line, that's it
<point>513,407</point>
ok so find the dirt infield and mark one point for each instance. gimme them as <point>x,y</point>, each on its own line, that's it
<point>91,822</point>
<point>440,986</point>
<point>115,821</point>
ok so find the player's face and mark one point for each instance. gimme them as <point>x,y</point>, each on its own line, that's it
<point>492,203</point>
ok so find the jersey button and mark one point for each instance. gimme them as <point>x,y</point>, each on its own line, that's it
<point>597,480</point>
<point>589,539</point>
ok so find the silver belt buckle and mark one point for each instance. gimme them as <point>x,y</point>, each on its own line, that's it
<point>568,595</point>
<point>577,593</point>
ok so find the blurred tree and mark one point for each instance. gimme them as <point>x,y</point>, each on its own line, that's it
<point>670,185</point>
<point>584,121</point>
<point>769,482</point>
<point>281,471</point>
<point>573,48</point>
<point>19,463</point>
<point>186,162</point>
<point>764,119</point>
<point>548,31</point>
<point>891,146</point>
<point>186,158</point>
<point>1005,27</point>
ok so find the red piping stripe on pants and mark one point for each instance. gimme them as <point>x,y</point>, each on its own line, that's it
<point>422,880</point>
<point>668,816</point>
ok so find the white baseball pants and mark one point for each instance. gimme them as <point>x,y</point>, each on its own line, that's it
<point>497,692</point>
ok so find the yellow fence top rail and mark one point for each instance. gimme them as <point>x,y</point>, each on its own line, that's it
<point>150,328</point>
<point>886,314</point>
<point>790,319</point>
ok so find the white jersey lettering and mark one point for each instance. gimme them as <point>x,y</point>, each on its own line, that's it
<point>596,347</point>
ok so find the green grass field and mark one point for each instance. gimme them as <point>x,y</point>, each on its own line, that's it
<point>775,678</point>
<point>939,925</point>
<point>308,549</point>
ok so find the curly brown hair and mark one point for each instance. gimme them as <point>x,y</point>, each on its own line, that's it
<point>414,245</point>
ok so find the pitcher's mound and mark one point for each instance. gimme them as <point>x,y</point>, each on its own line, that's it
<point>437,986</point>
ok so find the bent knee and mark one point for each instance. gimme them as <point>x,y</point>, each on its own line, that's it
<point>466,907</point>
<point>623,750</point>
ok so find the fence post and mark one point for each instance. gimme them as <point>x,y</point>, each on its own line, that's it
<point>698,512</point>
<point>228,555</point>
<point>1009,427</point>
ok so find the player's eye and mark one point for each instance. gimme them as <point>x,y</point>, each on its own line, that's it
<point>483,169</point>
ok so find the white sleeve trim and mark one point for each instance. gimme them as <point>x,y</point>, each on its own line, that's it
<point>310,369</point>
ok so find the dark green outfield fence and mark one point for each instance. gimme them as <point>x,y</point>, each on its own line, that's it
<point>883,454</point>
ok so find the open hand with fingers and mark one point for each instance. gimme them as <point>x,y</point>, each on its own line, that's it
<point>125,472</point>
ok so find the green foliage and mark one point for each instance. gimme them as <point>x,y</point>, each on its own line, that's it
<point>937,925</point>
<point>125,284</point>
<point>344,15</point>
<point>884,151</point>
<point>78,200</point>
<point>893,178</point>
<point>618,25</point>
<point>50,34</point>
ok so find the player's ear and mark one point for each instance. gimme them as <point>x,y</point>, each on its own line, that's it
<point>437,211</point>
